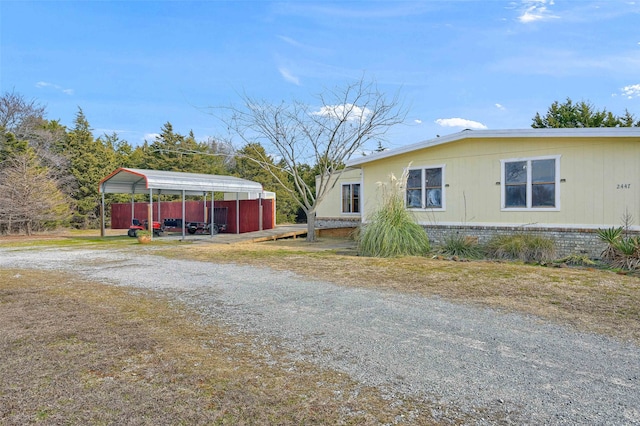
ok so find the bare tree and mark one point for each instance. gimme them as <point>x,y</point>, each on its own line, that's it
<point>323,136</point>
<point>25,120</point>
<point>18,115</point>
<point>30,199</point>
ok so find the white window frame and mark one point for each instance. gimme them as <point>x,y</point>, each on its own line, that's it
<point>351,184</point>
<point>528,208</point>
<point>423,202</point>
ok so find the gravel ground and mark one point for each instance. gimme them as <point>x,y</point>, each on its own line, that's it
<point>524,370</point>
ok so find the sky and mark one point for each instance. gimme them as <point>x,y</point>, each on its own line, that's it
<point>132,66</point>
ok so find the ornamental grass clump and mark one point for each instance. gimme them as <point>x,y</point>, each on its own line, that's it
<point>525,247</point>
<point>392,231</point>
<point>460,246</point>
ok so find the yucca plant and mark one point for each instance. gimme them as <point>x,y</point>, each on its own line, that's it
<point>627,253</point>
<point>610,236</point>
<point>392,230</point>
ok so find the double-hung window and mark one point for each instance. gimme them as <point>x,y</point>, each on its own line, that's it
<point>531,183</point>
<point>351,198</point>
<point>425,188</point>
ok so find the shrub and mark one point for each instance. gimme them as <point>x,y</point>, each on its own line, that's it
<point>521,246</point>
<point>392,230</point>
<point>610,236</point>
<point>620,252</point>
<point>458,245</point>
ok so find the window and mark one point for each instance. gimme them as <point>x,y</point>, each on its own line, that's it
<point>424,188</point>
<point>351,198</point>
<point>530,183</point>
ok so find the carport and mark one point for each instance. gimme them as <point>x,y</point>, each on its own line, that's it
<point>158,182</point>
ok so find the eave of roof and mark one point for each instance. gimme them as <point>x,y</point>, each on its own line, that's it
<point>587,132</point>
<point>139,181</point>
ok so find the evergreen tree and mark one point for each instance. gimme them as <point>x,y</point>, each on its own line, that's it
<point>10,146</point>
<point>253,163</point>
<point>172,151</point>
<point>90,160</point>
<point>581,114</point>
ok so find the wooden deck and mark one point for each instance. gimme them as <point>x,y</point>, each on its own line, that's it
<point>279,232</point>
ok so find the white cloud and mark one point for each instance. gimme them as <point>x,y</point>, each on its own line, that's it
<point>417,121</point>
<point>460,122</point>
<point>151,136</point>
<point>349,111</point>
<point>536,10</point>
<point>500,107</point>
<point>631,91</point>
<point>290,41</point>
<point>44,84</point>
<point>286,74</point>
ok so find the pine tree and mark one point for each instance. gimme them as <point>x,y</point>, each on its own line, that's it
<point>172,151</point>
<point>581,114</point>
<point>262,169</point>
<point>90,160</point>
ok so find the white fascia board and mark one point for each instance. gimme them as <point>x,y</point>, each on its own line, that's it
<point>590,132</point>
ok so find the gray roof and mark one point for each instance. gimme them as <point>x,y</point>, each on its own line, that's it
<point>139,181</point>
<point>583,132</point>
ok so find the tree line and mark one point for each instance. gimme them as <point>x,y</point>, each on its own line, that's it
<point>49,174</point>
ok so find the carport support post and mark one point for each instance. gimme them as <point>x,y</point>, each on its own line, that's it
<point>150,214</point>
<point>102,212</point>
<point>184,219</point>
<point>133,207</point>
<point>260,225</point>
<point>204,208</point>
<point>237,212</point>
<point>213,214</point>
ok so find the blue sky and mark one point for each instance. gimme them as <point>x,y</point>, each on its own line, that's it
<point>134,65</point>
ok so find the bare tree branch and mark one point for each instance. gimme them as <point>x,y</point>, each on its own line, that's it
<point>325,138</point>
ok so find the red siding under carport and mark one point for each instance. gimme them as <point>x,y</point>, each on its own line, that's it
<point>194,212</point>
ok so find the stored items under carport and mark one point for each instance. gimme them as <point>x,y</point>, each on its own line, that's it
<point>143,226</point>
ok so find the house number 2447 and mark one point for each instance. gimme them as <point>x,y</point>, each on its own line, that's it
<point>623,186</point>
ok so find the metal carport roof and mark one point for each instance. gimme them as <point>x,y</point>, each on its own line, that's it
<point>140,181</point>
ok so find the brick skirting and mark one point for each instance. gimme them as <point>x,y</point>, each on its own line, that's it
<point>567,240</point>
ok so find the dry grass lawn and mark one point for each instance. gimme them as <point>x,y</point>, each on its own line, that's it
<point>77,352</point>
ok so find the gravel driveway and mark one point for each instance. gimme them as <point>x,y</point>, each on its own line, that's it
<point>471,358</point>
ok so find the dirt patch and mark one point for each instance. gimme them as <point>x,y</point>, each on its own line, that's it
<point>327,243</point>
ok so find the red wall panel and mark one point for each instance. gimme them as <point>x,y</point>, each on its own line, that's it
<point>194,212</point>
